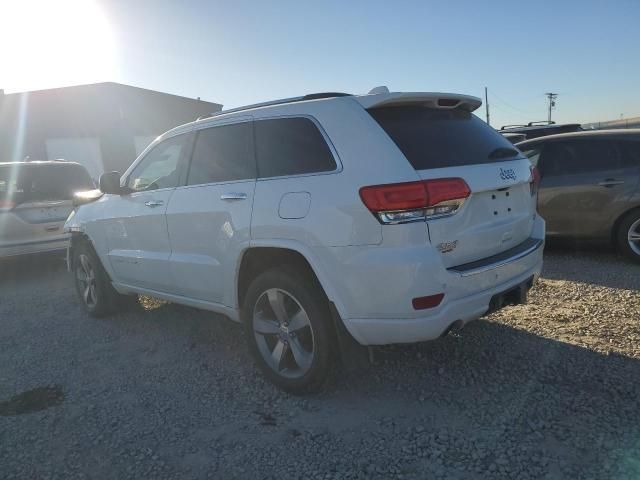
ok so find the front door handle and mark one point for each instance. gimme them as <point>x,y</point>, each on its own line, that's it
<point>233,196</point>
<point>610,182</point>
<point>154,203</point>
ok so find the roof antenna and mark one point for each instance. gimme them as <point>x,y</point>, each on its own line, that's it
<point>378,90</point>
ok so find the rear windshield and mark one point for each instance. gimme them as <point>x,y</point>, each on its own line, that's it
<point>31,183</point>
<point>436,138</point>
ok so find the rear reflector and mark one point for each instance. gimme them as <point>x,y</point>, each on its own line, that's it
<point>431,301</point>
<point>411,201</point>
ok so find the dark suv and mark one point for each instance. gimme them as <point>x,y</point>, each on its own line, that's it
<point>540,129</point>
<point>589,185</point>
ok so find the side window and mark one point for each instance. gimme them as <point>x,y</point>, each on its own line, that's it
<point>223,154</point>
<point>291,146</point>
<point>162,167</point>
<point>630,153</point>
<point>578,156</point>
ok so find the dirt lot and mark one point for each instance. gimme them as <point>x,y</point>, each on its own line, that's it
<point>546,390</point>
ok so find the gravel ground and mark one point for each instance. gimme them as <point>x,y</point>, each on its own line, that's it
<point>546,390</point>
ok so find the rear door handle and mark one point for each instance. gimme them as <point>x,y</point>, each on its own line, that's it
<point>154,203</point>
<point>610,182</point>
<point>233,196</point>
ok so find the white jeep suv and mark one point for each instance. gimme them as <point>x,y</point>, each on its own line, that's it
<point>384,218</point>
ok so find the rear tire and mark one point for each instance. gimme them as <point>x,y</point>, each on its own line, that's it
<point>288,328</point>
<point>93,285</point>
<point>629,235</point>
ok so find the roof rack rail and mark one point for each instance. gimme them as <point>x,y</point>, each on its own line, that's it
<point>541,122</point>
<point>310,96</point>
<point>507,127</point>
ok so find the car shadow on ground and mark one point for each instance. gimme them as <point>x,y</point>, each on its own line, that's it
<point>591,264</point>
<point>16,271</point>
<point>489,395</point>
<point>490,401</point>
<point>518,396</point>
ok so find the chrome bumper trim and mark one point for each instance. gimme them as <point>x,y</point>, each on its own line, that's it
<point>500,260</point>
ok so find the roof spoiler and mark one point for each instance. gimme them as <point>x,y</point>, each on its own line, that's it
<point>425,99</point>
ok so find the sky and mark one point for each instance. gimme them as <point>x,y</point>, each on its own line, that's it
<point>241,52</point>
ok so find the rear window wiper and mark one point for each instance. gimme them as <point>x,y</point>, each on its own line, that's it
<point>503,152</point>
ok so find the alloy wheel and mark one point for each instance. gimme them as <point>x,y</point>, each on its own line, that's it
<point>283,333</point>
<point>86,278</point>
<point>633,237</point>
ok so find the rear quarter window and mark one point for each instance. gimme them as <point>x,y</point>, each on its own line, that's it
<point>291,146</point>
<point>436,138</point>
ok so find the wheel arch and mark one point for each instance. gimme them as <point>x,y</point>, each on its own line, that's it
<point>261,256</point>
<point>77,237</point>
<point>619,220</point>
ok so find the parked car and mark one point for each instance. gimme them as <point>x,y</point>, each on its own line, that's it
<point>384,218</point>
<point>514,137</point>
<point>590,185</point>
<point>35,201</point>
<point>540,129</point>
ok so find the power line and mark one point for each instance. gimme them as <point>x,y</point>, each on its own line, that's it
<point>501,100</point>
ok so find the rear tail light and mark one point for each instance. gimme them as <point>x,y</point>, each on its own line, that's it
<point>415,201</point>
<point>7,204</point>
<point>535,180</point>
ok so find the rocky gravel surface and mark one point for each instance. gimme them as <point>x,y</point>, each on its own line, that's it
<point>546,390</point>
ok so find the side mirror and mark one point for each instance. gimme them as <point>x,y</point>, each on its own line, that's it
<point>110,183</point>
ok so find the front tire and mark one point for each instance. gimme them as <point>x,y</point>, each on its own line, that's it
<point>289,329</point>
<point>629,235</point>
<point>93,285</point>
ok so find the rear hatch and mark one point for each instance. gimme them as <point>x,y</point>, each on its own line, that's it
<point>36,199</point>
<point>445,143</point>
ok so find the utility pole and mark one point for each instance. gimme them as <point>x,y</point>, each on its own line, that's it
<point>486,104</point>
<point>552,102</point>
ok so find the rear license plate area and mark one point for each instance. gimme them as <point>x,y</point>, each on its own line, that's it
<point>514,296</point>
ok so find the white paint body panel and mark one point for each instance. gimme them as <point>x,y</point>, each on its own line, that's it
<point>371,272</point>
<point>137,239</point>
<point>207,236</point>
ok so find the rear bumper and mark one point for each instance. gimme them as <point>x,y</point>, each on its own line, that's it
<point>377,287</point>
<point>382,331</point>
<point>33,247</point>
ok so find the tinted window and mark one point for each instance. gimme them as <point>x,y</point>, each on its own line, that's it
<point>291,146</point>
<point>161,167</point>
<point>630,152</point>
<point>578,156</point>
<point>222,154</point>
<point>434,138</point>
<point>32,183</point>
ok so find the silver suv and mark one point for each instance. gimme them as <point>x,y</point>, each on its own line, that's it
<point>35,200</point>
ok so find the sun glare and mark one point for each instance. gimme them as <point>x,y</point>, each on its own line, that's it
<point>49,43</point>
